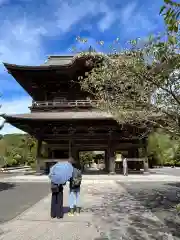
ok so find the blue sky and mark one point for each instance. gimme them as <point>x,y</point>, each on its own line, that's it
<point>31,30</point>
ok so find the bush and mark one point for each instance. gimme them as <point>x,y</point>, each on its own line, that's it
<point>33,165</point>
<point>177,163</point>
<point>162,149</point>
<point>86,158</point>
<point>10,162</point>
<point>169,163</point>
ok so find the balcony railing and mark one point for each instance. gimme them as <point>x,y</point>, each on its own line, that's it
<point>64,104</point>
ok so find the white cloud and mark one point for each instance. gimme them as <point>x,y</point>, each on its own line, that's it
<point>14,107</point>
<point>9,84</point>
<point>2,2</point>
<point>127,12</point>
<point>20,42</point>
<point>106,22</point>
<point>134,19</point>
<point>70,14</point>
<point>21,37</point>
<point>9,129</point>
<point>108,19</point>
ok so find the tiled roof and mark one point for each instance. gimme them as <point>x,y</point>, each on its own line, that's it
<point>58,60</point>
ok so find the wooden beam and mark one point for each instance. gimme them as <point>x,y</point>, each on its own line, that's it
<point>88,136</point>
<point>78,126</point>
<point>97,146</point>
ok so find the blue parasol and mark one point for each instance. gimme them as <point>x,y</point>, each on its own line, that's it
<point>61,172</point>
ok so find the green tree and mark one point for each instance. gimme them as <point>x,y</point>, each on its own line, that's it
<point>171,13</point>
<point>162,148</point>
<point>29,147</point>
<point>86,158</point>
<point>136,84</point>
<point>17,149</point>
<point>141,82</point>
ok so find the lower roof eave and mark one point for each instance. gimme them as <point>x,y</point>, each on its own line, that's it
<point>59,116</point>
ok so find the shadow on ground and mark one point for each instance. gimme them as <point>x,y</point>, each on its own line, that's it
<point>121,215</point>
<point>65,209</point>
<point>97,172</point>
<point>6,186</point>
<point>161,200</point>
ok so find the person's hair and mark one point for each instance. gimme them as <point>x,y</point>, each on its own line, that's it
<point>76,165</point>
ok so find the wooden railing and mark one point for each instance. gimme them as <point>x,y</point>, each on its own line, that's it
<point>64,104</point>
<point>134,160</point>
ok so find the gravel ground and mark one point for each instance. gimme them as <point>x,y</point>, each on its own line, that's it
<point>128,211</point>
<point>17,197</point>
<point>161,199</point>
<point>120,215</point>
<point>4,175</point>
<point>122,211</point>
<point>167,170</point>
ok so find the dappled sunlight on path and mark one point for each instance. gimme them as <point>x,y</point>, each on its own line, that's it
<point>108,212</point>
<point>117,213</point>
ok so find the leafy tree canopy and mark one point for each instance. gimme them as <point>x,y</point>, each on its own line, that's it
<point>138,84</point>
<point>171,13</point>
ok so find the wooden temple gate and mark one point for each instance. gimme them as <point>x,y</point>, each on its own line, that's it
<point>65,117</point>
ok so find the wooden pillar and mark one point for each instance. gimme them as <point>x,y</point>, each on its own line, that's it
<point>50,153</point>
<point>146,165</point>
<point>71,131</point>
<point>70,148</point>
<point>106,161</point>
<point>111,153</point>
<point>111,160</point>
<point>75,154</point>
<point>136,153</point>
<point>73,151</point>
<point>38,155</point>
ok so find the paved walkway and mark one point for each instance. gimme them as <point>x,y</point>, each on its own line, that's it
<point>100,178</point>
<point>109,212</point>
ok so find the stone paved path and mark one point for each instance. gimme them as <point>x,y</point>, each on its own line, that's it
<point>96,178</point>
<point>109,212</point>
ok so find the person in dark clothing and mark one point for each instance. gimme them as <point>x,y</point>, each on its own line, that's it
<point>74,190</point>
<point>57,201</point>
<point>59,174</point>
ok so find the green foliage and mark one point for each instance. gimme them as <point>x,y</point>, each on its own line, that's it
<point>125,83</point>
<point>171,13</point>
<point>162,148</point>
<point>86,157</point>
<point>17,149</point>
<point>177,156</point>
<point>141,81</point>
<point>33,165</point>
<point>178,207</point>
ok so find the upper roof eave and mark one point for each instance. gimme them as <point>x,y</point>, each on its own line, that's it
<point>46,66</point>
<point>10,66</point>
